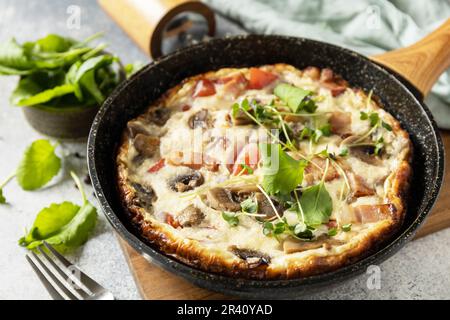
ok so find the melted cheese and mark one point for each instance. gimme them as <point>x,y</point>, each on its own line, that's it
<point>216,234</point>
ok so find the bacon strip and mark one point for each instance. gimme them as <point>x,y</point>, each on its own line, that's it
<point>333,83</point>
<point>313,174</point>
<point>372,213</point>
<point>193,160</point>
<point>340,123</point>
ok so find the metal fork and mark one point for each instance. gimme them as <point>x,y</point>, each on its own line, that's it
<point>62,279</point>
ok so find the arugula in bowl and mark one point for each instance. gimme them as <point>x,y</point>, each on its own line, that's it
<point>60,72</point>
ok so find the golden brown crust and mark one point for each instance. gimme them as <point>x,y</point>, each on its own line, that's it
<point>190,253</point>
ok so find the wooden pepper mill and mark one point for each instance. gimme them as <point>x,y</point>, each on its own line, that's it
<point>149,22</point>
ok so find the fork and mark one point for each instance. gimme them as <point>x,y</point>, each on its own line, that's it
<point>62,279</point>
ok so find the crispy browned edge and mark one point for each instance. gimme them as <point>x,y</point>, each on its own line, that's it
<point>198,257</point>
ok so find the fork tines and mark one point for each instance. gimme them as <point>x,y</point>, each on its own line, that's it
<point>62,279</point>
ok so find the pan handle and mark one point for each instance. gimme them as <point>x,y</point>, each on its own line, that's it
<point>423,62</point>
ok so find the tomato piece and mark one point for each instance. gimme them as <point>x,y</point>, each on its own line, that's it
<point>170,220</point>
<point>259,78</point>
<point>249,156</point>
<point>204,88</point>
<point>157,166</point>
<point>186,107</point>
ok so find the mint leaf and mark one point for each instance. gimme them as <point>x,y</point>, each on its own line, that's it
<point>281,172</point>
<point>297,99</point>
<point>38,166</point>
<point>64,225</point>
<point>316,204</point>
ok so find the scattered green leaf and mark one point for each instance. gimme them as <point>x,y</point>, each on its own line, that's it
<point>64,225</point>
<point>38,166</point>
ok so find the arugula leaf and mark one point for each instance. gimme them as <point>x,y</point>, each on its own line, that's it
<point>13,59</point>
<point>29,93</point>
<point>281,172</point>
<point>249,206</point>
<point>38,166</point>
<point>231,218</point>
<point>59,71</point>
<point>297,99</point>
<point>64,225</point>
<point>316,204</point>
<point>54,43</point>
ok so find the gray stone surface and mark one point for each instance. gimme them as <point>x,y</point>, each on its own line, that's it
<point>420,271</point>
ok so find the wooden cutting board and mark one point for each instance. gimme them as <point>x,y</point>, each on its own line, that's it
<point>155,283</point>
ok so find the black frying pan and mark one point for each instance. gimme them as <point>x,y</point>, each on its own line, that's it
<point>130,99</point>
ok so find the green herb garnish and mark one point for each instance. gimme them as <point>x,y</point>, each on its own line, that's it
<point>230,217</point>
<point>346,227</point>
<point>60,72</point>
<point>64,225</point>
<point>297,99</point>
<point>249,206</point>
<point>281,172</point>
<point>332,232</point>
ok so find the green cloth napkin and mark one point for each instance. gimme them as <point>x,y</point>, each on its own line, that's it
<point>366,26</point>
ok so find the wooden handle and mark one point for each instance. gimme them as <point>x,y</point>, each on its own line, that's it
<point>423,62</point>
<point>145,20</point>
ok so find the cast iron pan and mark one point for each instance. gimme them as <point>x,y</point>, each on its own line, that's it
<point>130,99</point>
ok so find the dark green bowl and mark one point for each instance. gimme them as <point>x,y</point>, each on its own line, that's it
<point>69,123</point>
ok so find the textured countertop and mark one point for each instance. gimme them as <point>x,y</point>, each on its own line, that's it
<point>420,271</point>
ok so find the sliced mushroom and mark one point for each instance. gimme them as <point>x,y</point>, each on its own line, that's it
<point>190,216</point>
<point>186,182</point>
<point>200,119</point>
<point>265,208</point>
<point>241,119</point>
<point>135,127</point>
<point>362,152</point>
<point>222,199</point>
<point>254,258</point>
<point>144,195</point>
<point>293,245</point>
<point>158,115</point>
<point>146,145</point>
